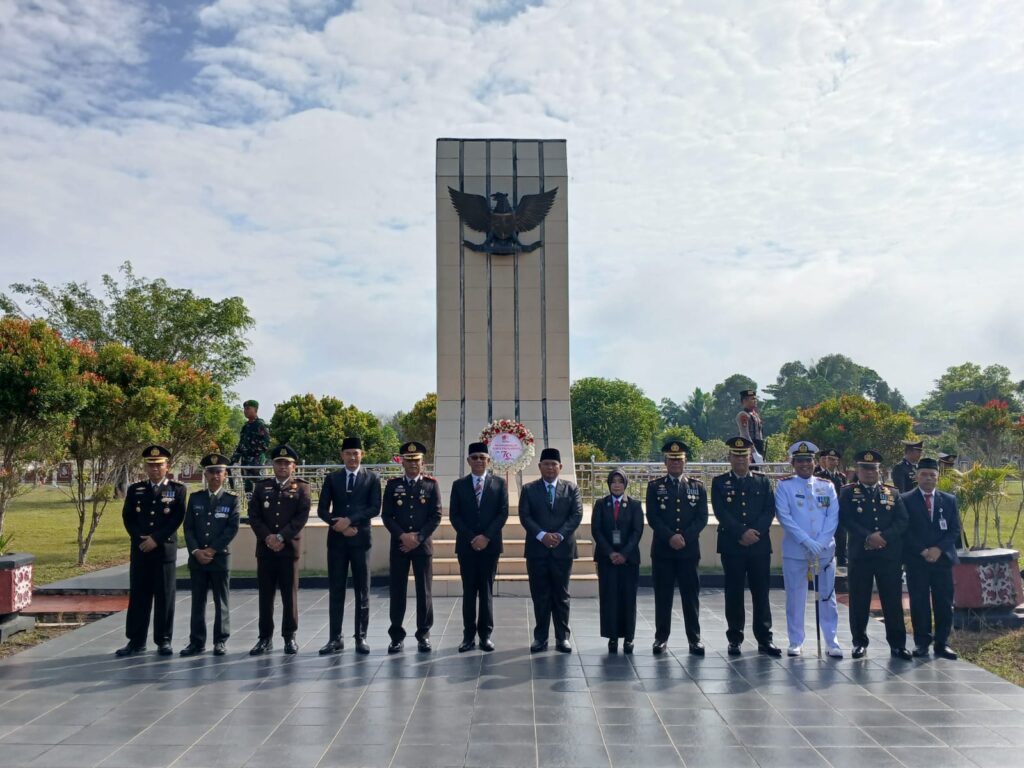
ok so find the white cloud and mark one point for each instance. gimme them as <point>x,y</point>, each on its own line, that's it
<point>759,184</point>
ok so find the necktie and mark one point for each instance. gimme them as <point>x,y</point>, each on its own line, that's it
<point>928,505</point>
<point>616,510</point>
<point>478,489</point>
<point>351,482</point>
<point>551,496</point>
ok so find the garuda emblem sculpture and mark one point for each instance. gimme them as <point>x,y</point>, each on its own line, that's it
<point>503,223</point>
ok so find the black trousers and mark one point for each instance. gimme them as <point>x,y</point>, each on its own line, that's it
<point>841,545</point>
<point>151,588</point>
<point>478,570</point>
<point>616,592</point>
<point>749,569</point>
<point>887,574</point>
<point>931,590</point>
<point>549,589</point>
<point>203,582</point>
<point>423,575</point>
<point>278,574</point>
<point>668,574</point>
<point>339,561</point>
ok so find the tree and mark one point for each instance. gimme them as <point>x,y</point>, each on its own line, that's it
<point>694,413</point>
<point>41,389</point>
<point>776,448</point>
<point>964,385</point>
<point>725,404</point>
<point>316,428</point>
<point>588,452</point>
<point>614,415</point>
<point>985,430</point>
<point>671,412</point>
<point>150,318</point>
<point>420,424</point>
<point>851,423</point>
<point>684,435</point>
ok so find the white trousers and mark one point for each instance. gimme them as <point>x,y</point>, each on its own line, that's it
<point>794,575</point>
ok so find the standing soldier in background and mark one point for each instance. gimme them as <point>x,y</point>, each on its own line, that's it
<point>211,522</point>
<point>253,442</point>
<point>749,424</point>
<point>153,510</point>
<point>904,474</point>
<point>828,469</point>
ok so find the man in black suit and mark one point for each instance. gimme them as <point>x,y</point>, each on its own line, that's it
<point>929,553</point>
<point>152,512</point>
<point>550,510</point>
<point>478,510</point>
<point>904,474</point>
<point>744,504</point>
<point>211,522</point>
<point>349,500</point>
<point>412,512</point>
<point>677,511</point>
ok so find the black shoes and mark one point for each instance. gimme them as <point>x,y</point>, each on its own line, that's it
<point>362,646</point>
<point>945,652</point>
<point>562,646</point>
<point>467,645</point>
<point>130,650</point>
<point>659,646</point>
<point>290,646</point>
<point>900,653</point>
<point>424,646</point>
<point>627,647</point>
<point>539,646</point>
<point>164,649</point>
<point>920,651</point>
<point>697,648</point>
<point>263,645</point>
<point>613,646</point>
<point>395,646</point>
<point>219,649</point>
<point>769,649</point>
<point>734,649</point>
<point>486,644</point>
<point>191,649</point>
<point>859,651</point>
<point>332,646</point>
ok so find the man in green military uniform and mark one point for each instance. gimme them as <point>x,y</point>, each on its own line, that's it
<point>253,442</point>
<point>211,522</point>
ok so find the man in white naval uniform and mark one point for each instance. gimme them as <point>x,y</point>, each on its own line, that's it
<point>807,507</point>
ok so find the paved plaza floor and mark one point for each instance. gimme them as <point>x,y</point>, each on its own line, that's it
<point>70,702</point>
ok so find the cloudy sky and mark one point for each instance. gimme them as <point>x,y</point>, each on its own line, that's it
<point>751,183</point>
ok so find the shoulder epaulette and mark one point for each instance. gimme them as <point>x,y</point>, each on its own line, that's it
<point>175,482</point>
<point>787,477</point>
<point>694,481</point>
<point>848,485</point>
<point>300,480</point>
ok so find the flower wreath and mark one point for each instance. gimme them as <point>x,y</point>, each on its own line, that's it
<point>517,430</point>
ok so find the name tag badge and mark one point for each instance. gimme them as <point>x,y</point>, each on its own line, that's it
<point>617,537</point>
<point>220,514</point>
<point>942,524</point>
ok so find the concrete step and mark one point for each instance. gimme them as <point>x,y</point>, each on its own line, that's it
<point>512,548</point>
<point>511,585</point>
<point>512,530</point>
<point>449,566</point>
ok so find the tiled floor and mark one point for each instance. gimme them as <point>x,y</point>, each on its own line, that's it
<point>71,703</point>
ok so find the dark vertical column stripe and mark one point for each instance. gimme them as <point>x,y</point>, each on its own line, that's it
<point>490,298</point>
<point>515,278</point>
<point>462,304</point>
<point>543,307</point>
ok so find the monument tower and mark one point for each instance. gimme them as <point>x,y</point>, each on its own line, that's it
<point>502,301</point>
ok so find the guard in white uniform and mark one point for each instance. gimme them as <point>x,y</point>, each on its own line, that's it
<point>807,507</point>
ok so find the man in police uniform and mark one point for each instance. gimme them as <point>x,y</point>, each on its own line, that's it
<point>211,522</point>
<point>828,469</point>
<point>278,511</point>
<point>876,518</point>
<point>904,474</point>
<point>808,511</point>
<point>749,424</point>
<point>677,511</point>
<point>412,512</point>
<point>744,504</point>
<point>153,510</point>
<point>933,533</point>
<point>253,442</point>
<point>349,501</point>
<point>947,461</point>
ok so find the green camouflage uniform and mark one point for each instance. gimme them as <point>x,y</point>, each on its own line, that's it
<point>253,444</point>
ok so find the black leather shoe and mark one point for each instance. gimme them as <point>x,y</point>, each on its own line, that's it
<point>332,646</point>
<point>424,646</point>
<point>945,652</point>
<point>395,646</point>
<point>769,649</point>
<point>362,646</point>
<point>291,647</point>
<point>627,647</point>
<point>263,645</point>
<point>613,646</point>
<point>191,650</point>
<point>900,653</point>
<point>467,645</point>
<point>486,644</point>
<point>562,646</point>
<point>920,652</point>
<point>734,649</point>
<point>659,646</point>
<point>697,649</point>
<point>539,646</point>
<point>130,650</point>
<point>164,649</point>
<point>219,649</point>
<point>859,651</point>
